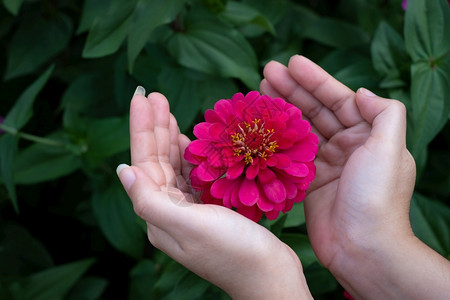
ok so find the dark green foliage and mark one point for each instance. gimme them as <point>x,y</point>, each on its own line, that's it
<point>67,229</point>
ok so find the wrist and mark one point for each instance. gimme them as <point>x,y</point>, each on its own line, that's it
<point>279,276</point>
<point>400,267</point>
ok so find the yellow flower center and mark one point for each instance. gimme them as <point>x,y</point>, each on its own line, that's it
<point>253,140</point>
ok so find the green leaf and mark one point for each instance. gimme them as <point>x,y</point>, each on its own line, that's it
<point>35,42</point>
<point>91,10</point>
<point>273,10</point>
<point>296,216</point>
<point>319,279</point>
<point>12,6</point>
<point>210,46</point>
<point>53,283</point>
<point>39,163</point>
<point>358,74</point>
<point>430,88</point>
<point>88,96</point>
<point>22,110</point>
<point>110,29</point>
<point>334,33</point>
<point>147,16</point>
<point>430,221</point>
<point>189,92</point>
<point>389,56</point>
<point>276,226</point>
<point>182,93</point>
<point>89,288</point>
<point>240,14</point>
<point>427,29</point>
<point>301,246</point>
<point>21,253</point>
<point>8,148</point>
<point>141,278</point>
<point>118,222</point>
<point>177,282</point>
<point>106,137</point>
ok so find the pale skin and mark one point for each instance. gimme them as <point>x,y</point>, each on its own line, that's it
<point>357,209</point>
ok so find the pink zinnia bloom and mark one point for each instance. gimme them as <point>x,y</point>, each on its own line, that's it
<point>254,154</point>
<point>404,4</point>
<point>1,122</point>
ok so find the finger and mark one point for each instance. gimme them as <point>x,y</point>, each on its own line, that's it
<point>388,118</point>
<point>161,116</point>
<point>320,116</point>
<point>143,149</point>
<point>328,91</point>
<point>267,89</point>
<point>186,167</point>
<point>176,158</point>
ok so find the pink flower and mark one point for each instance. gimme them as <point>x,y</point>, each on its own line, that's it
<point>404,4</point>
<point>1,122</point>
<point>253,154</point>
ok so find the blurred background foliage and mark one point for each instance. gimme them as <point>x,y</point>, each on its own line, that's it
<point>70,67</point>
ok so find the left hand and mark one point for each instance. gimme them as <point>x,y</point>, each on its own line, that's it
<point>236,254</point>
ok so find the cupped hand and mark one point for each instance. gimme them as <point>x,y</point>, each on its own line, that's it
<point>216,243</point>
<point>365,175</point>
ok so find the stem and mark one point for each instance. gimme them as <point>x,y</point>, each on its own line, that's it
<point>30,137</point>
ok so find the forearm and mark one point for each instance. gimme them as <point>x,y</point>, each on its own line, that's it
<point>403,268</point>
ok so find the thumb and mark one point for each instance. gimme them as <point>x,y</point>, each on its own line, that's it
<point>126,175</point>
<point>386,116</point>
<point>157,205</point>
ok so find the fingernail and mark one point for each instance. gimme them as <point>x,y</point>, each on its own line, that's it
<point>366,92</point>
<point>126,175</point>
<point>139,91</point>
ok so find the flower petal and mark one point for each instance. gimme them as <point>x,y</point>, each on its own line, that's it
<point>217,130</point>
<point>227,197</point>
<point>248,192</point>
<point>288,205</point>
<point>235,196</point>
<point>193,159</point>
<point>211,116</point>
<point>200,147</point>
<point>206,172</point>
<point>236,170</point>
<point>300,196</point>
<point>283,160</point>
<point>252,171</point>
<point>302,151</point>
<point>266,175</point>
<point>251,212</point>
<point>219,187</point>
<point>275,191</point>
<point>297,169</point>
<point>201,130</point>
<point>291,188</point>
<point>264,204</point>
<point>272,215</point>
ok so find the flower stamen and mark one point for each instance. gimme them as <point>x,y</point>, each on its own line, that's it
<point>253,141</point>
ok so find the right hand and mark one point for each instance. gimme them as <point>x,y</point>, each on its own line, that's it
<point>358,204</point>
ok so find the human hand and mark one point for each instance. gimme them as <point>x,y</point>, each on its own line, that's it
<point>359,201</point>
<point>225,248</point>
